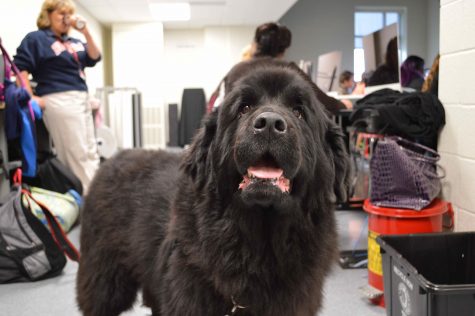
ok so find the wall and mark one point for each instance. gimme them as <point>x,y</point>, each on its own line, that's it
<point>161,63</point>
<point>138,62</point>
<point>95,75</point>
<point>433,30</point>
<point>20,18</point>
<point>457,66</point>
<point>199,58</point>
<point>321,26</point>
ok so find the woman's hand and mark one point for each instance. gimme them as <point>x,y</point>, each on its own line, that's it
<point>79,23</point>
<point>40,101</point>
<point>359,88</point>
<point>348,104</point>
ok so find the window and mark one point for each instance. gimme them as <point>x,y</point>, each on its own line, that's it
<point>367,21</point>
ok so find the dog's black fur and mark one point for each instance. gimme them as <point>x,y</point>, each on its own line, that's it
<point>191,239</point>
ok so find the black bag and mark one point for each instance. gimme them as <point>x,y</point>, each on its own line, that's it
<point>416,116</point>
<point>28,250</point>
<point>53,175</point>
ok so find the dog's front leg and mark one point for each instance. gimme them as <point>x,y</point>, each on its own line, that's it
<point>177,288</point>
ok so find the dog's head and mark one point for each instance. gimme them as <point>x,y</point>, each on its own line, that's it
<point>271,141</point>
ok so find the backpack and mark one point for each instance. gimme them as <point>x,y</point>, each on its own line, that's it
<point>28,250</point>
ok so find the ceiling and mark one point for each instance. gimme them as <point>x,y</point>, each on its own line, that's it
<point>203,12</point>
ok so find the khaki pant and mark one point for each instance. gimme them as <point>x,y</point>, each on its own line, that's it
<point>68,119</point>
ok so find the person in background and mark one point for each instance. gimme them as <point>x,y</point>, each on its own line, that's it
<point>347,86</point>
<point>431,83</point>
<point>56,62</point>
<point>346,82</point>
<point>388,72</point>
<point>247,52</point>
<point>271,40</point>
<point>412,72</point>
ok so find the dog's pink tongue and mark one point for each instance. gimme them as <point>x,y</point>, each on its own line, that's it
<point>265,172</point>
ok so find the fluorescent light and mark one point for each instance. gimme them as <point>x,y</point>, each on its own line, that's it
<point>179,11</point>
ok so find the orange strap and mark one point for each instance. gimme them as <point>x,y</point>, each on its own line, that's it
<point>57,232</point>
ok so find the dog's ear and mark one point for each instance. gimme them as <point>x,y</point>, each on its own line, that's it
<point>197,160</point>
<point>336,140</point>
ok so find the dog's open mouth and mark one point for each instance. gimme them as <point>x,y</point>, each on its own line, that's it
<point>262,174</point>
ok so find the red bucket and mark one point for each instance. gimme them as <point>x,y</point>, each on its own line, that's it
<point>394,221</point>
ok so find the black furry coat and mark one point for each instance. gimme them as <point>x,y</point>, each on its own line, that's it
<point>244,227</point>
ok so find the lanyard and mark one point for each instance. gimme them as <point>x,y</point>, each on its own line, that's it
<point>73,52</point>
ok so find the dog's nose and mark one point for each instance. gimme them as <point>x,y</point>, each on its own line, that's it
<point>270,121</point>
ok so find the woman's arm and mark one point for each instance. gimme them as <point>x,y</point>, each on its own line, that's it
<point>25,75</point>
<point>92,50</point>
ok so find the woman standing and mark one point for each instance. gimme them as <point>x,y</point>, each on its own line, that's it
<point>56,62</point>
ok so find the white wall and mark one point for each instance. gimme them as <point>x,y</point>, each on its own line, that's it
<point>433,30</point>
<point>161,63</point>
<point>197,58</point>
<point>200,58</point>
<point>138,62</point>
<point>12,27</point>
<point>138,58</point>
<point>95,75</point>
<point>18,18</point>
<point>457,69</point>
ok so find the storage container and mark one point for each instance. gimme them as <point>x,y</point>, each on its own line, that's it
<point>429,274</point>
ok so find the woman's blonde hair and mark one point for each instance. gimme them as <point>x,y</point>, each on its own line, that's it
<point>49,6</point>
<point>434,71</point>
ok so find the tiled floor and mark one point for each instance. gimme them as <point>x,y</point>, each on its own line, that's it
<point>55,297</point>
<point>342,294</point>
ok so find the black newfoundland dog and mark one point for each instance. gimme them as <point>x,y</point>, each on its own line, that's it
<point>242,224</point>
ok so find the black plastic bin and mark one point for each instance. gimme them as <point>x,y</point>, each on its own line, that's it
<point>429,274</point>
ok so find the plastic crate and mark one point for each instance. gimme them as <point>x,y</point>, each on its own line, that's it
<point>429,274</point>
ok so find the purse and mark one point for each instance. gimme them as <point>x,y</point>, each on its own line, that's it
<point>403,174</point>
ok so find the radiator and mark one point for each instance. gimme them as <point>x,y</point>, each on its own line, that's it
<point>132,123</point>
<point>153,127</point>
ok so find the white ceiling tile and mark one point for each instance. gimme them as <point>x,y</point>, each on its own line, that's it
<point>203,12</point>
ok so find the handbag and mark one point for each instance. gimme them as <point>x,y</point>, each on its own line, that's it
<point>403,174</point>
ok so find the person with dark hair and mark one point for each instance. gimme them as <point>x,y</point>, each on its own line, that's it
<point>271,40</point>
<point>388,72</point>
<point>412,72</point>
<point>346,82</point>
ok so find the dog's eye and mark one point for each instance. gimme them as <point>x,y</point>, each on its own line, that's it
<point>245,109</point>
<point>298,112</point>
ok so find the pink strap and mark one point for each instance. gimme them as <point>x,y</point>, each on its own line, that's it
<point>17,74</point>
